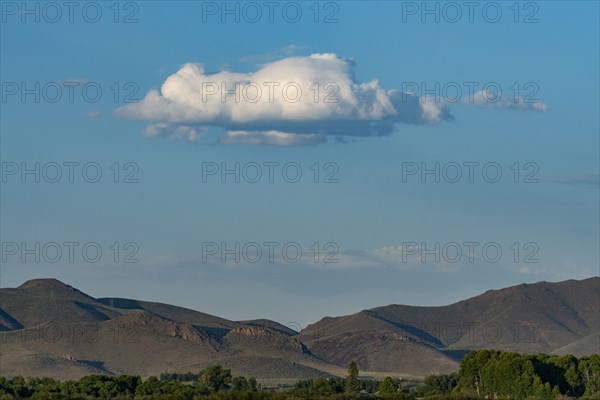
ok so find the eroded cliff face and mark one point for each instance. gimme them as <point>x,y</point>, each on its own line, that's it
<point>262,336</point>
<point>150,323</point>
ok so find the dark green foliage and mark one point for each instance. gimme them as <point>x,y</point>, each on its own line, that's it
<point>352,381</point>
<point>241,384</point>
<point>321,387</point>
<point>439,384</point>
<point>493,374</point>
<point>174,376</point>
<point>483,374</point>
<point>369,385</point>
<point>589,375</point>
<point>252,385</point>
<point>389,386</point>
<point>215,378</point>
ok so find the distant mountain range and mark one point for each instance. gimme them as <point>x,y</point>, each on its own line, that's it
<point>49,328</point>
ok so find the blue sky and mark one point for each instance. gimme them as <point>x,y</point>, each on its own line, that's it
<point>371,215</point>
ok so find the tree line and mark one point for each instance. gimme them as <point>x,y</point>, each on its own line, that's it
<point>483,374</point>
<point>494,374</point>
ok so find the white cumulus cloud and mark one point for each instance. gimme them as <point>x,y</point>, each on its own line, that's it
<point>174,132</point>
<point>275,138</point>
<point>289,102</point>
<point>492,99</point>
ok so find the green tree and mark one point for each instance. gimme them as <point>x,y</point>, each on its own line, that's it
<point>439,384</point>
<point>324,387</point>
<point>216,378</point>
<point>69,388</point>
<point>20,387</point>
<point>239,384</point>
<point>352,381</point>
<point>127,384</point>
<point>470,377</point>
<point>252,385</point>
<point>149,387</point>
<point>589,369</point>
<point>388,386</point>
<point>493,374</point>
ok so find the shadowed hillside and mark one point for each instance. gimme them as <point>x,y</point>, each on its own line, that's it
<point>52,329</point>
<point>542,317</point>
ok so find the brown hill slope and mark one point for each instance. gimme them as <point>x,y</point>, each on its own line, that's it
<point>541,317</point>
<point>42,301</point>
<point>582,346</point>
<point>48,328</point>
<point>52,329</point>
